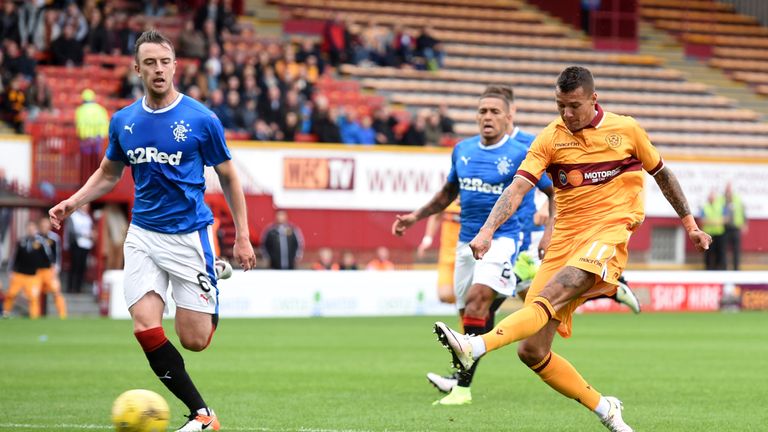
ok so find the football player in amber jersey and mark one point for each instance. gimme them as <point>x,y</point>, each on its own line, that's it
<point>596,160</point>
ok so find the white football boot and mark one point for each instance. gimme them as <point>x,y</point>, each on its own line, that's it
<point>613,421</point>
<point>444,384</point>
<point>457,344</point>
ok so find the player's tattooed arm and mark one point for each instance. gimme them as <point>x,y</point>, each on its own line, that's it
<point>507,203</point>
<point>440,201</point>
<point>672,191</point>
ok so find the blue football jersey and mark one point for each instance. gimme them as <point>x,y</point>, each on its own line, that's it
<point>167,150</point>
<point>482,173</point>
<point>528,206</point>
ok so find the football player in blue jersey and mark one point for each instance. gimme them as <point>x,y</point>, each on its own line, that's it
<point>481,167</point>
<point>167,139</point>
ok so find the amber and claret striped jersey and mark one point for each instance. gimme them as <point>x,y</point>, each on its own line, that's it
<point>597,171</point>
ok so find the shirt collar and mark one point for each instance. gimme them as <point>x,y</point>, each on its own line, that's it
<point>598,120</point>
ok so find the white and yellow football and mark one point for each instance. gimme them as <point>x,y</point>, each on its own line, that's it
<point>140,411</point>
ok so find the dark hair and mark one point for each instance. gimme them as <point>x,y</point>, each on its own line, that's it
<point>500,92</point>
<point>574,77</point>
<point>152,36</point>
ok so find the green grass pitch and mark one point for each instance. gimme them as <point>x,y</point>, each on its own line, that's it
<point>674,372</point>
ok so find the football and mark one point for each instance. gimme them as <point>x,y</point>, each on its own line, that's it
<point>140,411</point>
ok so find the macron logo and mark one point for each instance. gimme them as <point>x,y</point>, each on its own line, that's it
<point>151,154</point>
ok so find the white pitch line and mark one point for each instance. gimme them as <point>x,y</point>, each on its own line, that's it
<point>109,427</point>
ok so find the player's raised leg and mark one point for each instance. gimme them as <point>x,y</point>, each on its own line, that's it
<point>536,352</point>
<point>164,359</point>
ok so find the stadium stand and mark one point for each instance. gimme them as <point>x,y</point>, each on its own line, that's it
<point>729,41</point>
<point>630,84</point>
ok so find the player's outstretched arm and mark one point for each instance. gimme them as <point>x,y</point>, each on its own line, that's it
<point>101,181</point>
<point>438,203</point>
<point>504,208</point>
<point>433,222</point>
<point>672,191</point>
<point>233,193</point>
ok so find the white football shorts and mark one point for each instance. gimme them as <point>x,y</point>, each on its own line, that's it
<point>494,270</point>
<point>153,260</point>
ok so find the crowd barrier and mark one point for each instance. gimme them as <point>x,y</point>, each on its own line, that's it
<point>300,293</point>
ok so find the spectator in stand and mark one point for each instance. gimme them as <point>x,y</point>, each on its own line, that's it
<point>287,68</point>
<point>208,12</point>
<point>446,122</point>
<point>336,41</point>
<point>310,49</point>
<point>79,234</point>
<point>191,42</point>
<point>323,125</point>
<point>325,260</point>
<point>195,93</point>
<point>129,31</point>
<point>112,44</point>
<point>226,22</point>
<point>31,15</point>
<point>18,61</point>
<point>217,104</point>
<point>366,134</point>
<point>266,80</point>
<point>233,84</point>
<point>430,49</point>
<point>403,45</point>
<point>72,16</point>
<point>235,111</point>
<point>9,22</point>
<point>292,104</point>
<point>272,110</point>
<point>154,8</point>
<point>97,38</point>
<point>131,87</point>
<point>210,35</point>
<point>381,262</point>
<point>92,124</point>
<point>354,131</point>
<point>46,30</point>
<point>282,243</point>
<point>348,261</point>
<point>348,125</point>
<point>384,126</point>
<point>261,131</point>
<point>291,126</point>
<point>307,77</point>
<point>432,130</point>
<point>13,104</point>
<point>213,66</point>
<point>249,114</point>
<point>251,89</point>
<point>39,96</point>
<point>191,76</point>
<point>66,50</point>
<point>415,135</point>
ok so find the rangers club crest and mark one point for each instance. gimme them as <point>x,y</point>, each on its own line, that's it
<point>180,130</point>
<point>502,165</point>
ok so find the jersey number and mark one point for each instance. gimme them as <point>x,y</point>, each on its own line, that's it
<point>202,280</point>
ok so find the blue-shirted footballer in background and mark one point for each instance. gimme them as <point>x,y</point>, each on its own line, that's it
<point>167,139</point>
<point>481,167</point>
